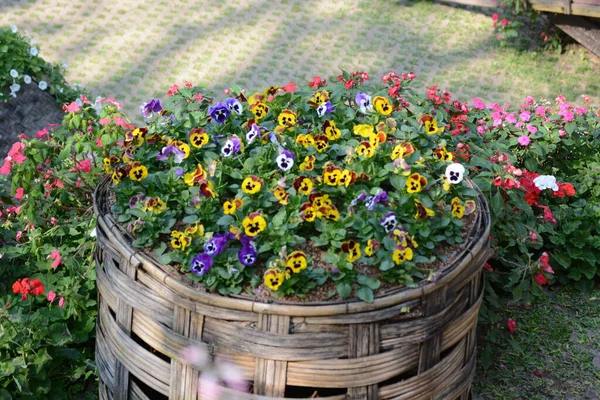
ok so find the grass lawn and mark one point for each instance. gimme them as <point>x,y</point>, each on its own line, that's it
<point>554,352</point>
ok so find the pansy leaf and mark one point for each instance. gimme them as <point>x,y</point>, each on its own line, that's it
<point>225,220</point>
<point>371,282</point>
<point>365,294</point>
<point>344,289</point>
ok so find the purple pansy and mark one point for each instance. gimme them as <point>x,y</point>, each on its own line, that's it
<point>201,264</point>
<point>363,101</point>
<point>285,160</point>
<point>137,199</point>
<point>254,133</point>
<point>219,112</point>
<point>325,108</point>
<point>166,151</point>
<point>247,254</point>
<point>233,105</point>
<point>232,146</point>
<point>217,243</point>
<point>389,222</point>
<point>380,197</point>
<point>148,109</point>
<point>179,172</point>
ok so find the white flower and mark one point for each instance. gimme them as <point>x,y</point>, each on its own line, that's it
<point>284,161</point>
<point>93,233</point>
<point>14,73</point>
<point>253,133</point>
<point>27,79</point>
<point>13,28</point>
<point>455,173</point>
<point>321,110</point>
<point>546,182</point>
<point>33,51</point>
<point>15,87</point>
<point>43,85</point>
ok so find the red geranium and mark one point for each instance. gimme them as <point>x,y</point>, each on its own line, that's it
<point>25,287</point>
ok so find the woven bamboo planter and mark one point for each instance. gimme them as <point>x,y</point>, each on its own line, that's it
<point>407,344</point>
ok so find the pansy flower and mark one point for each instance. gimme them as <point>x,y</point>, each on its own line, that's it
<point>364,130</point>
<point>389,222</point>
<point>308,212</point>
<point>194,177</point>
<point>196,230</point>
<point>325,108</point>
<point>305,140</point>
<point>232,146</point>
<point>138,172</point>
<point>154,205</point>
<point>328,212</point>
<point>330,130</point>
<point>443,154</point>
<point>254,224</point>
<point>179,240</point>
<point>120,173</point>
<point>308,164</point>
<point>422,211</point>
<point>382,105</point>
<point>181,145</point>
<point>285,160</point>
<point>296,261</point>
<point>456,208</point>
<point>319,98</point>
<point>372,247</point>
<point>136,200</point>
<point>415,183</point>
<point>166,151</point>
<point>247,255</point>
<point>287,118</point>
<point>108,162</point>
<point>321,143</point>
<point>217,243</point>
<point>219,112</point>
<point>303,185</point>
<point>319,200</point>
<point>403,239</point>
<point>273,278</point>
<point>253,133</point>
<point>431,125</point>
<point>455,173</point>
<point>347,178</point>
<point>351,248</point>
<point>259,110</point>
<point>366,149</point>
<point>380,197</point>
<point>252,184</point>
<point>331,175</point>
<point>402,150</point>
<point>230,206</point>
<point>233,105</point>
<point>150,108</point>
<point>135,136</point>
<point>402,254</point>
<point>198,137</point>
<point>201,264</point>
<point>363,101</point>
<point>207,189</point>
<point>281,195</point>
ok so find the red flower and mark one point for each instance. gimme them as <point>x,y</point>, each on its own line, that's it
<point>488,267</point>
<point>541,279</point>
<point>25,287</point>
<point>290,87</point>
<point>317,82</point>
<point>504,22</point>
<point>512,325</point>
<point>495,17</point>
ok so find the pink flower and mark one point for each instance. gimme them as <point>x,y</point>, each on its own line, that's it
<point>524,140</point>
<point>208,386</point>
<point>99,142</point>
<point>19,193</point>
<point>532,129</point>
<point>290,87</point>
<point>540,111</point>
<point>478,103</point>
<point>499,37</point>
<point>481,129</point>
<point>188,84</point>
<point>529,100</point>
<point>6,167</point>
<point>199,97</point>
<point>42,134</point>
<point>18,236</point>
<point>541,279</point>
<point>173,90</point>
<point>533,236</point>
<point>16,153</point>
<point>51,296</point>
<point>548,216</point>
<point>111,101</point>
<point>495,17</point>
<point>104,121</point>
<point>504,22</point>
<point>525,116</point>
<point>84,166</point>
<point>196,356</point>
<point>61,302</point>
<point>512,325</point>
<point>71,108</point>
<point>511,118</point>
<point>488,267</point>
<point>53,221</point>
<point>55,255</point>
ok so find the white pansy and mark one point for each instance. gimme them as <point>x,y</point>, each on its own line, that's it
<point>27,79</point>
<point>14,73</point>
<point>43,85</point>
<point>455,173</point>
<point>546,182</point>
<point>33,51</point>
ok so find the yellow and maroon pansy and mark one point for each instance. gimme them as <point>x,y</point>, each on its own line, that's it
<point>308,164</point>
<point>330,130</point>
<point>138,172</point>
<point>230,206</point>
<point>431,125</point>
<point>402,254</point>
<point>254,224</point>
<point>363,130</point>
<point>155,205</point>
<point>195,176</point>
<point>402,150</point>
<point>252,184</point>
<point>287,118</point>
<point>347,178</point>
<point>372,247</point>
<point>281,195</point>
<point>331,175</point>
<point>470,207</point>
<point>303,185</point>
<point>120,173</point>
<point>305,140</point>
<point>256,98</point>
<point>136,136</point>
<point>382,105</point>
<point>296,261</point>
<point>351,248</point>
<point>422,211</point>
<point>273,278</point>
<point>366,149</point>
<point>456,208</point>
<point>328,212</point>
<point>308,212</point>
<point>259,110</point>
<point>321,143</point>
<point>443,154</point>
<point>319,200</point>
<point>179,240</point>
<point>108,162</point>
<point>196,230</point>
<point>415,183</point>
<point>319,98</point>
<point>198,137</point>
<point>206,188</point>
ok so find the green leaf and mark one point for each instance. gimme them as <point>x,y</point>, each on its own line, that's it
<point>190,219</point>
<point>160,249</point>
<point>365,294</point>
<point>371,282</point>
<point>386,265</point>
<point>165,259</point>
<point>225,220</point>
<point>279,218</point>
<point>344,289</point>
<point>497,204</point>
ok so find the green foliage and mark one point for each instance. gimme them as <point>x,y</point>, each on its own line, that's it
<point>47,333</point>
<point>19,56</point>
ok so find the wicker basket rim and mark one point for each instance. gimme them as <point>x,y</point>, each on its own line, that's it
<point>456,265</point>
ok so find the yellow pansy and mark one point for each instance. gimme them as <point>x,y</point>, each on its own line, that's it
<point>196,230</point>
<point>179,240</point>
<point>229,207</point>
<point>402,254</point>
<point>155,205</point>
<point>330,130</point>
<point>402,150</point>
<point>364,130</point>
<point>366,150</point>
<point>252,184</point>
<point>372,247</point>
<point>382,105</point>
<point>351,248</point>
<point>321,143</point>
<point>273,278</point>
<point>259,110</point>
<point>138,172</point>
<point>422,211</point>
<point>254,224</point>
<point>281,195</point>
<point>308,164</point>
<point>415,183</point>
<point>198,137</point>
<point>296,261</point>
<point>287,118</point>
<point>194,177</point>
<point>456,208</point>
